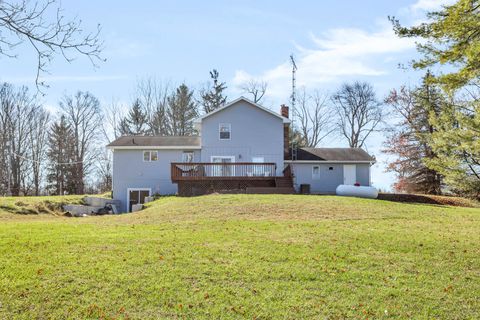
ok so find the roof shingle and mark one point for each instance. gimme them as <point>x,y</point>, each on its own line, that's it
<point>333,154</point>
<point>156,141</point>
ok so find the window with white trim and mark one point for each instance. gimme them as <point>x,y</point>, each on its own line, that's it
<point>316,172</point>
<point>187,156</point>
<point>149,156</point>
<point>224,131</point>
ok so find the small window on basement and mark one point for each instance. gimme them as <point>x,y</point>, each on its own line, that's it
<point>316,172</point>
<point>149,156</point>
<point>187,156</point>
<point>330,168</point>
<point>225,130</point>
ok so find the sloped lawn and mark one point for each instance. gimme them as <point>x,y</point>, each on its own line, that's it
<point>245,256</point>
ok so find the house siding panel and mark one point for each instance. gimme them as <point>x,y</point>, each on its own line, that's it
<point>254,133</point>
<point>329,180</point>
<point>130,171</point>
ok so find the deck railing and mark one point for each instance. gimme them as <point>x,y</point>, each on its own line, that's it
<point>222,171</point>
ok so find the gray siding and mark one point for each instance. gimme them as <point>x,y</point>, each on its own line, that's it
<point>130,171</point>
<point>328,180</point>
<point>254,133</point>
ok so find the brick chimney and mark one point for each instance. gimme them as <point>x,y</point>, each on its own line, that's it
<point>286,132</point>
<point>284,111</point>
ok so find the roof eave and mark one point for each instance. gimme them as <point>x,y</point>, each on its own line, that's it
<point>331,161</point>
<point>154,147</point>
<point>199,119</point>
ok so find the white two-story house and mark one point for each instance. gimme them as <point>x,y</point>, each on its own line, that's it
<point>241,147</point>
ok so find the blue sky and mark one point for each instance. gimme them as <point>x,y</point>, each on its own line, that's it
<point>180,41</point>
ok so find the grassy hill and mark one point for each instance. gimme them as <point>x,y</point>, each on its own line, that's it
<point>245,256</point>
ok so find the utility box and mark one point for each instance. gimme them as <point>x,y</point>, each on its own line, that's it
<point>305,189</point>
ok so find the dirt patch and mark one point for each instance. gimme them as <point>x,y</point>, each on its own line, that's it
<point>430,199</point>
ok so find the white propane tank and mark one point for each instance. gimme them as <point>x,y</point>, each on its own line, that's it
<point>354,191</point>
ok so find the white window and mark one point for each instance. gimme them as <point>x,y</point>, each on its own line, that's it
<point>149,156</point>
<point>316,172</point>
<point>225,131</point>
<point>187,156</point>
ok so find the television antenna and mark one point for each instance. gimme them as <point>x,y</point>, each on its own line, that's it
<point>293,100</point>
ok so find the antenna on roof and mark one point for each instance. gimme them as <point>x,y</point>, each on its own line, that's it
<point>293,99</point>
<point>293,95</point>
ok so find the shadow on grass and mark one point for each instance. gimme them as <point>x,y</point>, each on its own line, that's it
<point>429,199</point>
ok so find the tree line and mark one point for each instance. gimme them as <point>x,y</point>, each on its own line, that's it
<point>64,152</point>
<point>437,140</point>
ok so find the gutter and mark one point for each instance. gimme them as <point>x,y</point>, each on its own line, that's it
<point>154,147</point>
<point>330,161</point>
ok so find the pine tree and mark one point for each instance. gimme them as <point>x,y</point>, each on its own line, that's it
<point>213,97</point>
<point>457,144</point>
<point>411,143</point>
<point>182,110</point>
<point>60,177</point>
<point>135,123</point>
<point>452,39</point>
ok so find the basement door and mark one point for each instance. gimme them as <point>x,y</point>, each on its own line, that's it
<point>136,196</point>
<point>349,174</point>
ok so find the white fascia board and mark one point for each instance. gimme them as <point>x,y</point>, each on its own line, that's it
<point>154,148</point>
<point>199,119</point>
<point>325,161</point>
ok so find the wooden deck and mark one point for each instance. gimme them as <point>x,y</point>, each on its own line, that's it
<point>231,177</point>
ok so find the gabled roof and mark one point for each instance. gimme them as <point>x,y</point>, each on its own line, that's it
<point>231,103</point>
<point>156,142</point>
<point>333,155</point>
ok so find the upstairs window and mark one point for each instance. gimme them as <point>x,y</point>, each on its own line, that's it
<point>225,131</point>
<point>149,156</point>
<point>187,156</point>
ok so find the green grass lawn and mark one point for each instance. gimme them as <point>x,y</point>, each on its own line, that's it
<point>245,256</point>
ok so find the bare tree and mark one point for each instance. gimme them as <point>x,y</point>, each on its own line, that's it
<point>104,166</point>
<point>256,88</point>
<point>17,110</point>
<point>38,139</point>
<point>358,111</point>
<point>83,114</point>
<point>112,116</point>
<point>42,25</point>
<point>314,115</point>
<point>153,98</point>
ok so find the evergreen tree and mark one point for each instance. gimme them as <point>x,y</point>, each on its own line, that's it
<point>452,38</point>
<point>457,144</point>
<point>182,110</point>
<point>411,142</point>
<point>61,158</point>
<point>135,123</point>
<point>213,97</point>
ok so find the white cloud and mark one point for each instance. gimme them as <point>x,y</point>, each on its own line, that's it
<point>337,53</point>
<point>429,5</point>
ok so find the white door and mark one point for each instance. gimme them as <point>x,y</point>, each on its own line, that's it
<point>223,170</point>
<point>349,174</point>
<point>258,170</point>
